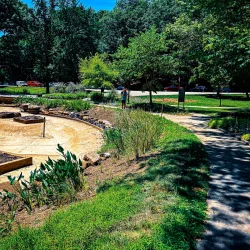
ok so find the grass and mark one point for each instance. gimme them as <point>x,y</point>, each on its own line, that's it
<point>23,90</point>
<point>204,104</point>
<point>161,208</point>
<point>234,101</point>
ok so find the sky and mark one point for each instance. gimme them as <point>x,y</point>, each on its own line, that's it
<point>95,4</point>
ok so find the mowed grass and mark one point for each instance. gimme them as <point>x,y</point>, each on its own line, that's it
<point>14,90</point>
<point>233,101</point>
<point>161,208</point>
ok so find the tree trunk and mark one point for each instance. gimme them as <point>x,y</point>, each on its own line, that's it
<point>47,87</point>
<point>247,94</point>
<point>150,97</point>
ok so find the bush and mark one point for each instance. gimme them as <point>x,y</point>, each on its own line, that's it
<point>74,105</point>
<point>112,96</point>
<point>96,97</point>
<point>245,137</point>
<point>136,132</point>
<point>233,124</point>
<point>76,96</point>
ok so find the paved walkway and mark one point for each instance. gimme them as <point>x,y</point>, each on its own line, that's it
<point>228,226</point>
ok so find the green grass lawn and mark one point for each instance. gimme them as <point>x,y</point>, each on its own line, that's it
<point>206,104</point>
<point>14,90</point>
<point>161,208</point>
<point>234,101</point>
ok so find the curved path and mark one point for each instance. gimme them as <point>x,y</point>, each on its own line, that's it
<point>27,140</point>
<point>228,225</point>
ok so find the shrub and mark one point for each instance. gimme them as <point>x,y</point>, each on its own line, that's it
<point>233,124</point>
<point>76,96</point>
<point>74,105</point>
<point>136,132</point>
<point>60,88</point>
<point>96,97</point>
<point>245,137</point>
<point>112,96</point>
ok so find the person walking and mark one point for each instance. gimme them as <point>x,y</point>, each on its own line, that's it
<point>124,95</point>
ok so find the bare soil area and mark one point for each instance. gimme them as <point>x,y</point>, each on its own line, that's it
<point>4,157</point>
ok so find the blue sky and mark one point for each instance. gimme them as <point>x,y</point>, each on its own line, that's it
<point>95,4</point>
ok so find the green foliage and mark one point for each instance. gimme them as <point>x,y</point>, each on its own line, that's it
<point>136,132</point>
<point>57,174</point>
<point>246,137</point>
<point>96,97</point>
<point>145,57</point>
<point>99,97</point>
<point>71,105</point>
<point>233,124</point>
<point>76,96</point>
<point>55,182</point>
<point>97,72</point>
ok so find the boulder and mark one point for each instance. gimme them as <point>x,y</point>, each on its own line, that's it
<point>85,164</point>
<point>92,158</point>
<point>105,155</point>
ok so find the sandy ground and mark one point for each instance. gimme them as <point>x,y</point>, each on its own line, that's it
<point>27,140</point>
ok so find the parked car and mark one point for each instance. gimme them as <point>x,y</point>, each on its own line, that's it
<point>21,83</point>
<point>198,89</point>
<point>226,90</point>
<point>172,88</point>
<point>3,85</point>
<point>120,87</point>
<point>34,84</point>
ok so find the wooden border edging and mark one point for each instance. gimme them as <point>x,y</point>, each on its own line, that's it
<point>16,164</point>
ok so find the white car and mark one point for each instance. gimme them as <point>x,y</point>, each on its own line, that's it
<point>21,83</point>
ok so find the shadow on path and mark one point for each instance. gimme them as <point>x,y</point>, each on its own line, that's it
<point>228,225</point>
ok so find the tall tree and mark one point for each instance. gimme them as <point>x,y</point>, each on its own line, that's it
<point>146,58</point>
<point>97,71</point>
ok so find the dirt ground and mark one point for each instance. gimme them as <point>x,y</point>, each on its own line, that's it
<point>27,140</point>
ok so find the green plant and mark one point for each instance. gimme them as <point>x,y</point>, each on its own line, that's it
<point>96,97</point>
<point>112,96</point>
<point>246,137</point>
<point>136,132</point>
<point>55,173</point>
<point>72,105</point>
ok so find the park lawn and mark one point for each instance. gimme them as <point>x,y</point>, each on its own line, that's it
<point>162,207</point>
<point>14,90</point>
<point>237,101</point>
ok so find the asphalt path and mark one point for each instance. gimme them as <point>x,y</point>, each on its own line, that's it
<point>228,224</point>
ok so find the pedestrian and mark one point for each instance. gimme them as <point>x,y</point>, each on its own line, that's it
<point>124,98</point>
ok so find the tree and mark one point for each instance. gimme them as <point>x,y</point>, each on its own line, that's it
<point>96,71</point>
<point>146,57</point>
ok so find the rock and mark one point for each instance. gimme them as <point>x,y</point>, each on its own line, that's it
<point>85,164</point>
<point>24,107</point>
<point>105,155</point>
<point>92,158</point>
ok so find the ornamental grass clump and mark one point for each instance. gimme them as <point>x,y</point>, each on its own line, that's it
<point>136,132</point>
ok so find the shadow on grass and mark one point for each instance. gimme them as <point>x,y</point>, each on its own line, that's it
<point>183,160</point>
<point>154,107</point>
<point>229,97</point>
<point>180,176</point>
